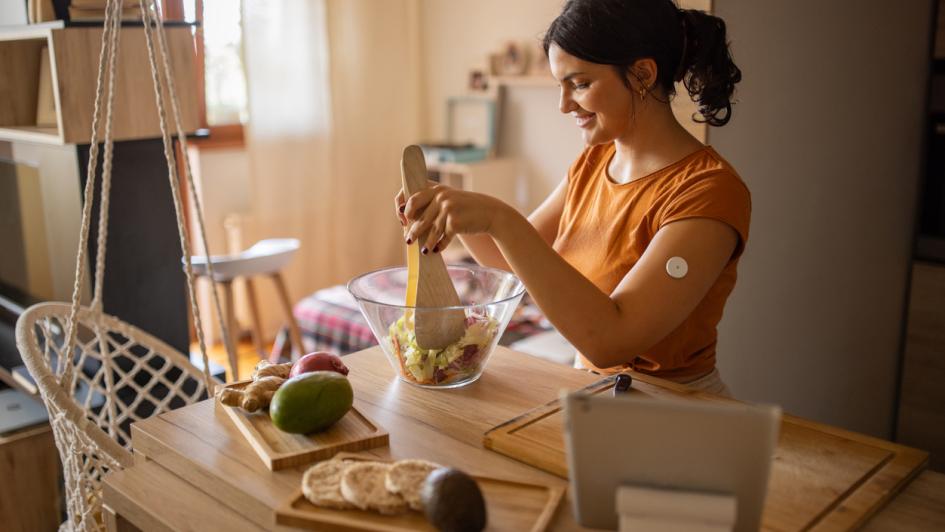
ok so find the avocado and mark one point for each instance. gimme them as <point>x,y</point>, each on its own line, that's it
<point>453,502</point>
<point>311,402</point>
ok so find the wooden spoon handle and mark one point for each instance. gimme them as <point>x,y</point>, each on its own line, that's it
<point>413,171</point>
<point>434,328</point>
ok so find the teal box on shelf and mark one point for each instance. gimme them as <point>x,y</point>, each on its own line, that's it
<point>471,129</point>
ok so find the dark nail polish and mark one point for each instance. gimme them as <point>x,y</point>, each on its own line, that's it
<point>403,208</point>
<point>409,241</point>
<point>424,250</point>
<point>436,248</point>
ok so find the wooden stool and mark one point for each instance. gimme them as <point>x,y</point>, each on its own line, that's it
<point>266,257</point>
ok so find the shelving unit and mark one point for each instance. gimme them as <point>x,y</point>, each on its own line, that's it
<point>523,81</point>
<point>73,53</point>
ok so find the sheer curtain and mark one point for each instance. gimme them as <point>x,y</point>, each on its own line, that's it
<point>334,96</point>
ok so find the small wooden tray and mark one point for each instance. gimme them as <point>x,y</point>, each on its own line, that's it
<point>822,477</point>
<point>510,505</point>
<point>279,450</point>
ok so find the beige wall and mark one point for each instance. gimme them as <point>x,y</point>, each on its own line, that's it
<point>827,133</point>
<point>457,35</point>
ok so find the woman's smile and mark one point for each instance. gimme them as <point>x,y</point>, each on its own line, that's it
<point>584,121</point>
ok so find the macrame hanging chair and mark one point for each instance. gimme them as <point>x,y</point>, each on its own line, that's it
<point>96,373</point>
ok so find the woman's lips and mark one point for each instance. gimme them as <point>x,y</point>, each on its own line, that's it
<point>584,121</point>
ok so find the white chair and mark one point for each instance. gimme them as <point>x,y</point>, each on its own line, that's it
<point>118,374</point>
<point>266,257</point>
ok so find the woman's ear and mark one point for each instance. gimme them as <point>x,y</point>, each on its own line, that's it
<point>643,72</point>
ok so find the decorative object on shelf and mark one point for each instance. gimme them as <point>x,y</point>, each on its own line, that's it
<point>514,60</point>
<point>537,60</point>
<point>510,61</point>
<point>478,80</point>
<point>112,356</point>
<point>471,131</point>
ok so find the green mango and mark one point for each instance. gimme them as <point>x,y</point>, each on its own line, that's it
<point>311,402</point>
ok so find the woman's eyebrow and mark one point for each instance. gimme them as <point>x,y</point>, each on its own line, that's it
<point>571,75</point>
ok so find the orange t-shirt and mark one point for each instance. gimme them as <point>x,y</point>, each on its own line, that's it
<point>605,228</point>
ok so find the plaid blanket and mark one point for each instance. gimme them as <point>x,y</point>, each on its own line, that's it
<point>330,320</point>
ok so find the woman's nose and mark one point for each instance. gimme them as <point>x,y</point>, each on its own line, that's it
<point>565,103</point>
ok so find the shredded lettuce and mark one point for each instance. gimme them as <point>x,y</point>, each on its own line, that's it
<point>458,360</point>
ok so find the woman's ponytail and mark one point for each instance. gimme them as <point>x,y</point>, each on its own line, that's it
<point>706,67</point>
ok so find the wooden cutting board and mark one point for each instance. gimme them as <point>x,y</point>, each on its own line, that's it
<point>510,505</point>
<point>822,478</point>
<point>279,450</point>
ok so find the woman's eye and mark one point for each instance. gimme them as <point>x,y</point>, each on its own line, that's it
<point>579,86</point>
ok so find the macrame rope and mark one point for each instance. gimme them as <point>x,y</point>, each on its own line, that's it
<point>149,16</point>
<point>182,138</point>
<point>96,305</point>
<point>64,365</point>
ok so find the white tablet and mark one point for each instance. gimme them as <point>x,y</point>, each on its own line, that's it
<point>723,448</point>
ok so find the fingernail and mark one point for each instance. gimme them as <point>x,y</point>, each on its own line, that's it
<point>436,248</point>
<point>403,208</point>
<point>424,250</point>
<point>409,241</point>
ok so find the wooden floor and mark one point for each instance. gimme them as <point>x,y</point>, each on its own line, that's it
<point>246,355</point>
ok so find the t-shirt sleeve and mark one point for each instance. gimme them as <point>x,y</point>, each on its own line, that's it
<point>719,196</point>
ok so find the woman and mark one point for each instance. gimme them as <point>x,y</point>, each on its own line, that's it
<point>634,254</point>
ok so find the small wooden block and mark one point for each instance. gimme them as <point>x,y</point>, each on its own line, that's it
<point>279,450</point>
<point>510,505</point>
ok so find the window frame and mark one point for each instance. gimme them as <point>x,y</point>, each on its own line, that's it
<point>221,135</point>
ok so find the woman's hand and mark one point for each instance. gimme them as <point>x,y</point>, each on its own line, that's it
<point>438,213</point>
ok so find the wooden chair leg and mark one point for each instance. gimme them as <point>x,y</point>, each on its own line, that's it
<point>230,311</point>
<point>254,314</point>
<point>294,335</point>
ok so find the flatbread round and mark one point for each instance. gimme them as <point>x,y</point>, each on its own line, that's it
<point>362,485</point>
<point>406,478</point>
<point>321,484</point>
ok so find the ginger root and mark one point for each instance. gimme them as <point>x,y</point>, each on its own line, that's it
<point>256,395</point>
<point>268,369</point>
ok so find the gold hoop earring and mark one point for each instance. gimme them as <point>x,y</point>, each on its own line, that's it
<point>642,93</point>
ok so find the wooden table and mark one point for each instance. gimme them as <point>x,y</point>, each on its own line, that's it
<point>194,470</point>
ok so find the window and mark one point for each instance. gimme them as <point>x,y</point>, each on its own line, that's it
<point>219,42</point>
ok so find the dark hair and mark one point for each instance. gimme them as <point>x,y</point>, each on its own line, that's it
<point>687,45</point>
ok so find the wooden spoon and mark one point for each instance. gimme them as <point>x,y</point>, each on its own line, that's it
<point>434,328</point>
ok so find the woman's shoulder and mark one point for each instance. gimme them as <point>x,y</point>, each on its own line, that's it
<point>705,169</point>
<point>590,160</point>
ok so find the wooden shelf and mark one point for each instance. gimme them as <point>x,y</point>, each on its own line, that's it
<point>525,81</point>
<point>41,135</point>
<point>71,71</point>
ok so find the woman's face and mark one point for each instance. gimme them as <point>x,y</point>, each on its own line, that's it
<point>594,94</point>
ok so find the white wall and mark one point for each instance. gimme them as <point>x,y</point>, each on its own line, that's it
<point>457,36</point>
<point>827,133</point>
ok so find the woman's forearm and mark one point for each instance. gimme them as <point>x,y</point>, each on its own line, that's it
<point>484,250</point>
<point>580,311</point>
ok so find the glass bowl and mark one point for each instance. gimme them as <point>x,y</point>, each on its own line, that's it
<point>488,298</point>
